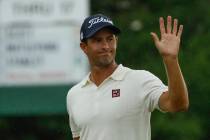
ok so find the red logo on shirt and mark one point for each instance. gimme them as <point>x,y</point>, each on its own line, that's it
<point>115,93</point>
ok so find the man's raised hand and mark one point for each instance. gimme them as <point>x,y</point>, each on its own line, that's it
<point>168,44</point>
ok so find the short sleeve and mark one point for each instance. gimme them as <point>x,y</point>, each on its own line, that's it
<point>153,88</point>
<point>74,128</point>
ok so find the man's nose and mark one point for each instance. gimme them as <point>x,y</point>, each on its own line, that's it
<point>105,44</point>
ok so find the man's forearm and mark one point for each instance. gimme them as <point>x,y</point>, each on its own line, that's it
<point>178,93</point>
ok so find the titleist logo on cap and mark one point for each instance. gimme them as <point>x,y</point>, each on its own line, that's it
<point>98,20</point>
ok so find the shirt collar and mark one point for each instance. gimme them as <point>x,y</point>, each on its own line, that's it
<point>117,75</point>
<point>86,80</point>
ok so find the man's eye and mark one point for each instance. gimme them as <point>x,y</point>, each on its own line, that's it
<point>97,39</point>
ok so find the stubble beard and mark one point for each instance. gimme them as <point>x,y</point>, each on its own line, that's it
<point>105,61</point>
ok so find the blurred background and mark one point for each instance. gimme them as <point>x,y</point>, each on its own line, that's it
<point>40,61</point>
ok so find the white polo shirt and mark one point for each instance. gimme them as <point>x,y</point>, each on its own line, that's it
<point>118,109</point>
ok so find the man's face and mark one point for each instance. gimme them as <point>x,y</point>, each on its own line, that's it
<point>101,48</point>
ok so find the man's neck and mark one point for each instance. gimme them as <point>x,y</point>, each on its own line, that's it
<point>99,74</point>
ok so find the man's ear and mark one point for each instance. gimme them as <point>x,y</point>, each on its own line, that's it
<point>83,46</point>
<point>116,39</point>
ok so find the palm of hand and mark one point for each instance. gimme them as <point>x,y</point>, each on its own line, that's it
<point>168,45</point>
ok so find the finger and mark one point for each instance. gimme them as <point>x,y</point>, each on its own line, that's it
<point>179,34</point>
<point>162,26</point>
<point>175,26</point>
<point>169,24</point>
<point>155,37</point>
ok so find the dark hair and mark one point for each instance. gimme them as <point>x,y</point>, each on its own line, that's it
<point>84,41</point>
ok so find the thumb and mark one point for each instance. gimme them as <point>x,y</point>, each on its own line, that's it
<point>154,37</point>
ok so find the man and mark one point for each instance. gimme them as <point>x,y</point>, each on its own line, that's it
<point>115,102</point>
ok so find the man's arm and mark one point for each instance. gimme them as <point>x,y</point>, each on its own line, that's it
<point>176,98</point>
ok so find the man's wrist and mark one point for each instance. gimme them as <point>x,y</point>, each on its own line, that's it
<point>170,59</point>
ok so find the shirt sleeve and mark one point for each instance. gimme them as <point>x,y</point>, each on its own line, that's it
<point>153,88</point>
<point>74,128</point>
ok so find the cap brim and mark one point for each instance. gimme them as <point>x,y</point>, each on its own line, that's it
<point>113,28</point>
